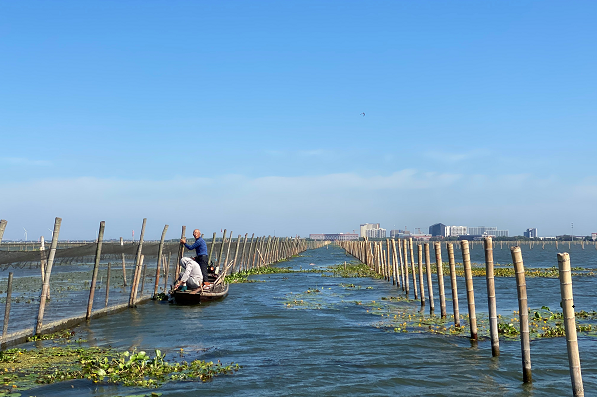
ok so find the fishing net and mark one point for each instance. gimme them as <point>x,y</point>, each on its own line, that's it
<point>86,253</point>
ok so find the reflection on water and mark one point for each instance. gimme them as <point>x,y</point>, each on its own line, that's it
<point>331,347</point>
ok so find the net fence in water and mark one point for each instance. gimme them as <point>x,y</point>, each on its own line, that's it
<point>86,253</point>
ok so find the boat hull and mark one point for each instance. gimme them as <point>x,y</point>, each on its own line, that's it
<point>188,298</point>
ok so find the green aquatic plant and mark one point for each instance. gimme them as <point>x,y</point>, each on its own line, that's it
<point>23,369</point>
<point>66,334</point>
<point>351,270</point>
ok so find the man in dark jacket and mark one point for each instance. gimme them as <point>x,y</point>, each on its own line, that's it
<point>200,248</point>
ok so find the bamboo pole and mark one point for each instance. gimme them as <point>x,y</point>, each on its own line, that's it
<point>493,323</point>
<point>253,247</point>
<point>236,255</point>
<point>43,261</point>
<point>46,286</point>
<point>470,292</point>
<point>143,272</point>
<point>396,264</point>
<point>98,254</point>
<point>180,254</point>
<point>108,285</point>
<point>412,266</point>
<point>429,281</point>
<point>211,249</point>
<point>2,228</point>
<point>453,284</point>
<point>243,260</point>
<point>7,307</point>
<point>389,261</point>
<point>523,313</point>
<point>159,262</point>
<point>167,271</point>
<point>420,265</point>
<point>228,251</point>
<point>570,324</point>
<point>137,280</point>
<point>123,270</point>
<point>221,252</point>
<point>440,278</point>
<point>405,264</point>
<point>138,265</point>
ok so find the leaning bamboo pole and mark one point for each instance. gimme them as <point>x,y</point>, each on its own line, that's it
<point>7,307</point>
<point>429,281</point>
<point>243,261</point>
<point>523,313</point>
<point>221,252</point>
<point>570,324</point>
<point>493,323</point>
<point>3,223</point>
<point>137,280</point>
<point>236,254</point>
<point>46,286</point>
<point>453,284</point>
<point>138,264</point>
<point>107,285</point>
<point>98,254</point>
<point>228,250</point>
<point>159,262</point>
<point>470,292</point>
<point>167,271</point>
<point>211,249</point>
<point>43,261</point>
<point>396,265</point>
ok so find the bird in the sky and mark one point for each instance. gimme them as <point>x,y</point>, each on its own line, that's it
<point>363,114</point>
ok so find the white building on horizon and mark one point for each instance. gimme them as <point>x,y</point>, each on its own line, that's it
<point>372,230</point>
<point>455,231</point>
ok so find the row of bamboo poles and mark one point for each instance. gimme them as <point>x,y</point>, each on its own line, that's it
<point>534,243</point>
<point>393,264</point>
<point>258,252</point>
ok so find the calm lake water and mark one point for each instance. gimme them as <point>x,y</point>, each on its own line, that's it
<point>328,345</point>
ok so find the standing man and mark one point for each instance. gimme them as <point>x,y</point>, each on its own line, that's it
<point>200,248</point>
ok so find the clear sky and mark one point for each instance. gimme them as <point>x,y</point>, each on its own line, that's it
<point>246,115</point>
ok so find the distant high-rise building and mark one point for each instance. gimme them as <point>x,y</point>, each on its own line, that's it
<point>368,226</point>
<point>487,231</point>
<point>439,229</point>
<point>376,233</point>
<point>455,231</point>
<point>531,233</point>
<point>394,233</point>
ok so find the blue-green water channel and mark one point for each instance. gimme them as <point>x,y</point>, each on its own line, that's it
<point>290,342</point>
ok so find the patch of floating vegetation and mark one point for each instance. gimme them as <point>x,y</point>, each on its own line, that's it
<point>351,270</point>
<point>65,336</point>
<point>314,298</point>
<point>243,276</point>
<point>357,269</point>
<point>23,369</point>
<point>507,270</point>
<point>543,323</point>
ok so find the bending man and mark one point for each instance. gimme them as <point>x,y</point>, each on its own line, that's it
<point>200,248</point>
<point>190,274</point>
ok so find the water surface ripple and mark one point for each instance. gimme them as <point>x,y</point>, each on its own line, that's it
<point>330,347</point>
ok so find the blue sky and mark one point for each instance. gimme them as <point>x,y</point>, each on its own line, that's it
<point>246,116</point>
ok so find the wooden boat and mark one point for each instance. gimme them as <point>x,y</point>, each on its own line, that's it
<point>219,291</point>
